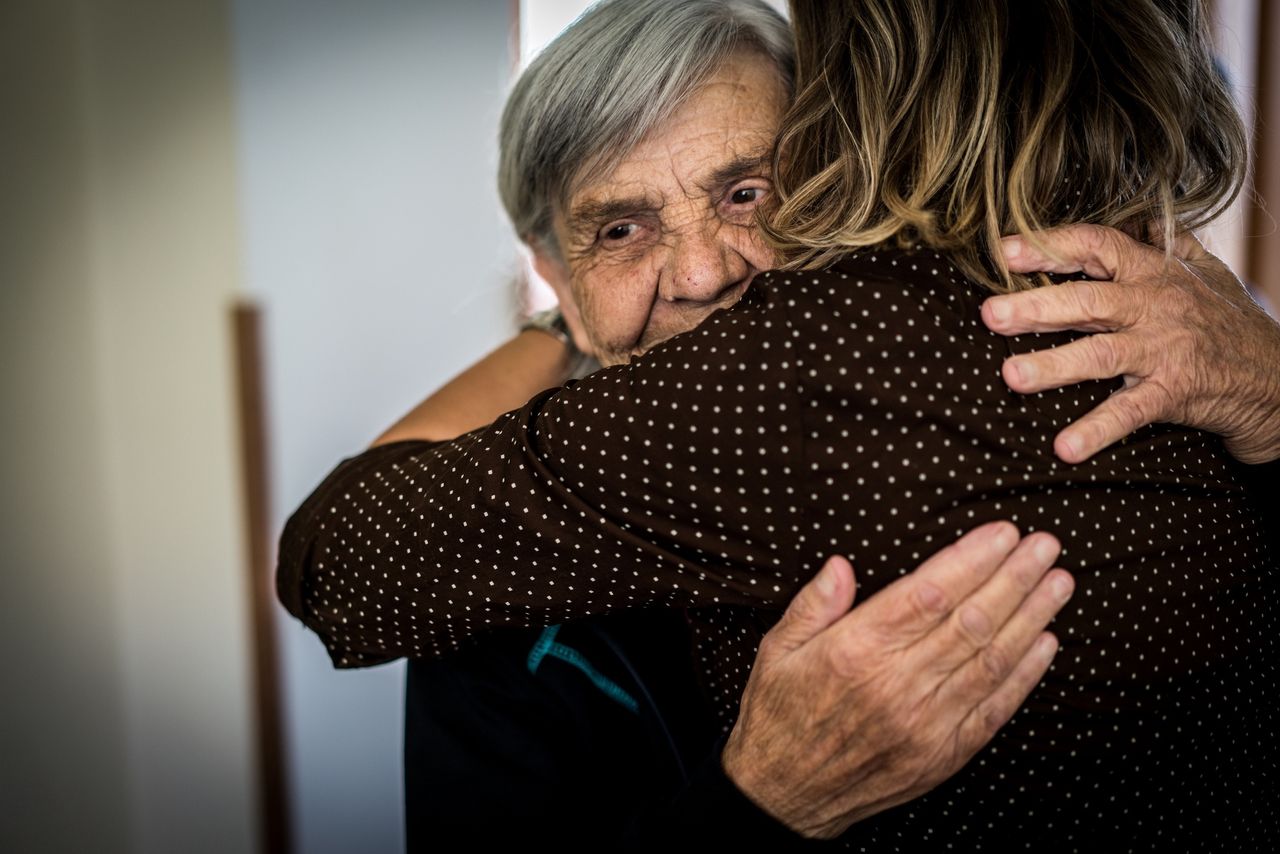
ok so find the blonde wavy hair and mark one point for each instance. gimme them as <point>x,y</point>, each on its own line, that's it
<point>953,122</point>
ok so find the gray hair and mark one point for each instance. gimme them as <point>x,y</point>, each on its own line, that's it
<point>614,75</point>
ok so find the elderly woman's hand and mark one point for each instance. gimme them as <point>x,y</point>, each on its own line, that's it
<point>1193,347</point>
<point>850,712</point>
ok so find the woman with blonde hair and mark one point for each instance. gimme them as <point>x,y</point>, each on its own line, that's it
<point>923,131</point>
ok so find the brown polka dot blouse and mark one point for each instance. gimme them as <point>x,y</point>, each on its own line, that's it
<point>858,410</point>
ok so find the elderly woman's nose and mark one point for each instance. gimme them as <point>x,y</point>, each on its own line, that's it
<point>702,267</point>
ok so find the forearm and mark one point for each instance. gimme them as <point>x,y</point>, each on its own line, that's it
<point>417,548</point>
<point>551,512</point>
<point>503,380</point>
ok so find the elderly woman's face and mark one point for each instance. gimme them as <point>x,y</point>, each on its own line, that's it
<point>668,237</point>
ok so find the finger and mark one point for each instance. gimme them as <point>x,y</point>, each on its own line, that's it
<point>914,605</point>
<point>1097,357</point>
<point>995,711</point>
<point>988,668</point>
<point>969,634</point>
<point>821,602</point>
<point>1095,250</point>
<point>1110,421</point>
<point>1083,306</point>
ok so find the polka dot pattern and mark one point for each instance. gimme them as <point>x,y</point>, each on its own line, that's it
<point>857,410</point>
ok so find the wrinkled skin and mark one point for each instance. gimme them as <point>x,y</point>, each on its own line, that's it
<point>1192,346</point>
<point>848,713</point>
<point>667,237</point>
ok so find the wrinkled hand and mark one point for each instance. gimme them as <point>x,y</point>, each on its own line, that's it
<point>1192,346</point>
<point>848,713</point>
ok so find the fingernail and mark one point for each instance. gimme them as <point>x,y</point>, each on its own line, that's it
<point>1007,537</point>
<point>1061,589</point>
<point>1025,371</point>
<point>1012,247</point>
<point>1071,445</point>
<point>998,310</point>
<point>1015,372</point>
<point>826,582</point>
<point>1047,646</point>
<point>1045,549</point>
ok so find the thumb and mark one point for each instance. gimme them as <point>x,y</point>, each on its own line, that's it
<point>821,602</point>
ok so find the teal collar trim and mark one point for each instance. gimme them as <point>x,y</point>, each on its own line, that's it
<point>546,646</point>
<point>542,647</point>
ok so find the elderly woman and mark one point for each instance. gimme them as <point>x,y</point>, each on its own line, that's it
<point>853,405</point>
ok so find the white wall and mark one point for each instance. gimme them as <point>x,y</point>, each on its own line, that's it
<point>375,242</point>
<point>127,723</point>
<point>542,20</point>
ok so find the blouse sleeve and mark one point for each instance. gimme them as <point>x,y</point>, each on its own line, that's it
<point>673,480</point>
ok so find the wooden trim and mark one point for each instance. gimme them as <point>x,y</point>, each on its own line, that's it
<point>1263,268</point>
<point>276,832</point>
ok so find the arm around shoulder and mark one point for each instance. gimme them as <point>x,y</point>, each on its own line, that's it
<point>600,496</point>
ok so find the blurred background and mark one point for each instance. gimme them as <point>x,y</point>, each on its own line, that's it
<point>237,239</point>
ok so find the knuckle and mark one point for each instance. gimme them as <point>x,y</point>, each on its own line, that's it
<point>766,648</point>
<point>1030,305</point>
<point>1115,242</point>
<point>1097,431</point>
<point>1101,297</point>
<point>974,626</point>
<point>843,660</point>
<point>928,601</point>
<point>1156,401</point>
<point>995,663</point>
<point>1104,351</point>
<point>1085,298</point>
<point>1129,412</point>
<point>1095,238</point>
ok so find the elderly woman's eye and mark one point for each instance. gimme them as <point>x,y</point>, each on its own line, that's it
<point>620,232</point>
<point>746,195</point>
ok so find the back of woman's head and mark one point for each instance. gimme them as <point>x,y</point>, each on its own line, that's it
<point>952,122</point>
